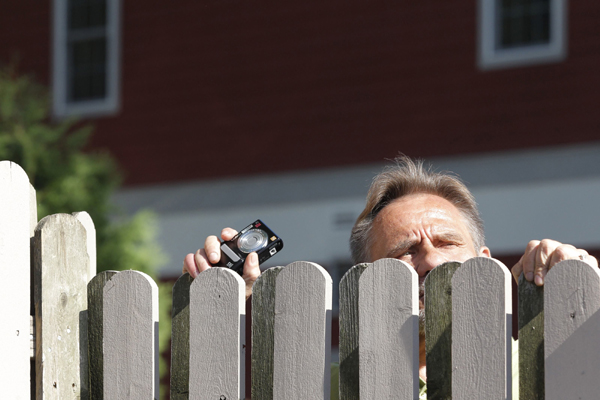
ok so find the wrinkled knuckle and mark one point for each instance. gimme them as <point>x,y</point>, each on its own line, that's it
<point>547,244</point>
<point>532,244</point>
<point>563,252</point>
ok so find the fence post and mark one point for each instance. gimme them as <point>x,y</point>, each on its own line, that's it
<point>263,321</point>
<point>129,336</point>
<point>15,220</point>
<point>481,330</point>
<point>217,335</point>
<point>572,324</point>
<point>438,331</point>
<point>388,309</point>
<point>302,332</point>
<point>61,277</point>
<point>349,334</point>
<point>95,290</point>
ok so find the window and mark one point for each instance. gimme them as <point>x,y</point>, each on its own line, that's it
<point>86,57</point>
<point>521,32</point>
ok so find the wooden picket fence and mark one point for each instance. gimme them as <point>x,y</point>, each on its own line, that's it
<point>95,336</point>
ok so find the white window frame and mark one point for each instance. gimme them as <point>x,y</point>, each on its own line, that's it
<point>110,104</point>
<point>489,57</point>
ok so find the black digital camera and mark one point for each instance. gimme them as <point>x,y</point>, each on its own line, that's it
<point>255,237</point>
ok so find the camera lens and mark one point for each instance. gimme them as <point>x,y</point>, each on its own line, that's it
<point>253,240</point>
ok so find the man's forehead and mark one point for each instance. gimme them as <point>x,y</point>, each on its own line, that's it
<point>421,208</point>
<point>408,217</point>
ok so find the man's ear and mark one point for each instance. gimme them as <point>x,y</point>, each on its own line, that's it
<point>484,252</point>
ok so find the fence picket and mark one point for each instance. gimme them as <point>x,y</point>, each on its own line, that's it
<point>531,340</point>
<point>263,321</point>
<point>95,291</point>
<point>129,337</point>
<point>180,339</point>
<point>15,221</point>
<point>217,335</point>
<point>572,324</point>
<point>388,309</point>
<point>61,277</point>
<point>481,330</point>
<point>90,231</point>
<point>438,330</point>
<point>349,385</point>
<point>32,224</point>
<point>302,332</point>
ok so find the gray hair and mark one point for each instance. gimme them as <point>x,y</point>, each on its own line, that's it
<point>411,177</point>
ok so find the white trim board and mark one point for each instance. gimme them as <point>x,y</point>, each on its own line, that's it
<point>491,57</point>
<point>61,107</point>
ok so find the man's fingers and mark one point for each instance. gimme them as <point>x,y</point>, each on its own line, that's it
<point>201,260</point>
<point>528,258</point>
<point>212,248</point>
<point>228,233</point>
<point>592,261</point>
<point>566,252</point>
<point>251,272</point>
<point>189,266</point>
<point>543,253</point>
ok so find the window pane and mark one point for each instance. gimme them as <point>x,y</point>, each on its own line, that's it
<point>87,14</point>
<point>87,69</point>
<point>523,22</point>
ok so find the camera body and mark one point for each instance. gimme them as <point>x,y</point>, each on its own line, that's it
<point>255,237</point>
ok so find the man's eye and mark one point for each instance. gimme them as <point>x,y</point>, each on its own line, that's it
<point>449,244</point>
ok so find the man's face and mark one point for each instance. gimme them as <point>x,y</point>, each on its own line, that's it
<point>424,230</point>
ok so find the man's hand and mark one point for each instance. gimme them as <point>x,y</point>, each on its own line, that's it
<point>211,254</point>
<point>540,256</point>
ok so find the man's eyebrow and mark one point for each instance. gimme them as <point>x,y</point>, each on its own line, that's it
<point>451,236</point>
<point>401,247</point>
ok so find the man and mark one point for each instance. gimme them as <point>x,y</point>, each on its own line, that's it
<point>421,217</point>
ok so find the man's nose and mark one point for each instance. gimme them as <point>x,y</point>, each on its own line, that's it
<point>429,261</point>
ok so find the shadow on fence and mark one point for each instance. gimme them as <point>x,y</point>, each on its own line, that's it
<point>95,336</point>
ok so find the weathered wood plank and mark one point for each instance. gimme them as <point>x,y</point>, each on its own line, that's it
<point>90,230</point>
<point>90,234</point>
<point>302,332</point>
<point>531,340</point>
<point>263,339</point>
<point>572,325</point>
<point>180,339</point>
<point>32,224</point>
<point>95,290</point>
<point>130,337</point>
<point>350,334</point>
<point>217,335</point>
<point>388,309</point>
<point>481,330</point>
<point>15,220</point>
<point>61,277</point>
<point>438,330</point>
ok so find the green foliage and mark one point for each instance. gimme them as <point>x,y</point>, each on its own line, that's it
<point>67,179</point>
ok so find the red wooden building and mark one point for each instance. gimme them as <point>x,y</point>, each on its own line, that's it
<point>221,112</point>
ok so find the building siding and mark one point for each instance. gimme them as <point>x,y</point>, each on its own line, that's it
<point>219,89</point>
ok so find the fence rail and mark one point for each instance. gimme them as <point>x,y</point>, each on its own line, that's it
<point>96,335</point>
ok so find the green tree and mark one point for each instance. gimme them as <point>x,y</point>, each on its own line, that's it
<point>69,179</point>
